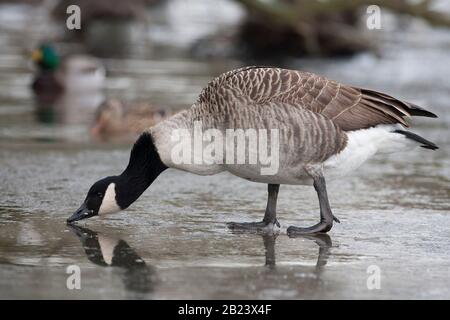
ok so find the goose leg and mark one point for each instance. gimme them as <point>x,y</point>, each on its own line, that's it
<point>270,216</point>
<point>326,216</point>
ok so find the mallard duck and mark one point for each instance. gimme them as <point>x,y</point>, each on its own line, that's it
<point>114,119</point>
<point>323,130</point>
<point>73,73</point>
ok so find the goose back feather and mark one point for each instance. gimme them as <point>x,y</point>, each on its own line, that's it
<point>351,108</point>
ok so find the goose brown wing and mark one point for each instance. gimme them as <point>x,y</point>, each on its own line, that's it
<point>351,108</point>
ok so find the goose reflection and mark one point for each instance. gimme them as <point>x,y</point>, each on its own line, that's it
<point>305,280</point>
<point>321,239</point>
<point>108,251</point>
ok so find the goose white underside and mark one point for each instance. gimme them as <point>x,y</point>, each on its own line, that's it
<point>361,146</point>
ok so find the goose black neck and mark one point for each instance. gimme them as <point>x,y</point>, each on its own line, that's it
<point>144,167</point>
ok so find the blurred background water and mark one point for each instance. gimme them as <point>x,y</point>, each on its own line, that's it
<point>173,242</point>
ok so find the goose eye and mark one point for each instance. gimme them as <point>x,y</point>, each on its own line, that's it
<point>100,195</point>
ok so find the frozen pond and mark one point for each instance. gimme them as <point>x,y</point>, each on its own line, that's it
<point>173,243</point>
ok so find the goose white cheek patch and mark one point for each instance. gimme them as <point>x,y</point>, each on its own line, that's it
<point>109,203</point>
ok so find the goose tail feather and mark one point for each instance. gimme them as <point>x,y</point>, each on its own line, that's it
<point>415,110</point>
<point>424,143</point>
<point>401,108</point>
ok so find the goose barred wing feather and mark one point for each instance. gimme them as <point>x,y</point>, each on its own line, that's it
<point>298,128</point>
<point>350,108</point>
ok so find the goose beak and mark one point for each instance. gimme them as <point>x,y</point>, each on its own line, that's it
<point>82,213</point>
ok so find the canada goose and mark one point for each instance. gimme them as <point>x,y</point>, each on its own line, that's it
<point>326,130</point>
<point>114,118</point>
<point>75,73</point>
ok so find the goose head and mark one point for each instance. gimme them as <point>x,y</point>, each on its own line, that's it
<point>101,199</point>
<point>46,57</point>
<point>115,193</point>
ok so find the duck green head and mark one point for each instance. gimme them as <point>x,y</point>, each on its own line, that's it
<point>46,57</point>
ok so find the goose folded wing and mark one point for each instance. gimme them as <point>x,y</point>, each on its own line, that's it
<point>353,108</point>
<point>349,107</point>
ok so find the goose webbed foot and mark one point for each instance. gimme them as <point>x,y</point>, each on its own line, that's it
<point>321,227</point>
<point>267,225</point>
<point>326,216</point>
<point>261,226</point>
